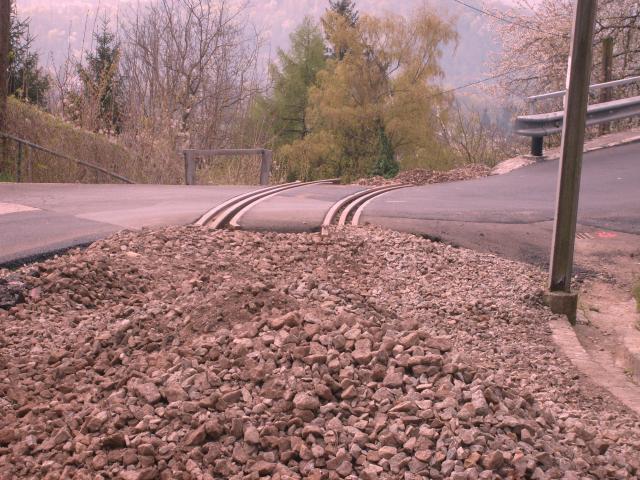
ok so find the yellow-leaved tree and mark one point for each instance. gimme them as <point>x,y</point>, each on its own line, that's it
<point>375,105</point>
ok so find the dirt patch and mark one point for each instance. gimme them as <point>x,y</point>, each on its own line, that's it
<point>610,324</point>
<point>188,353</point>
<point>420,176</point>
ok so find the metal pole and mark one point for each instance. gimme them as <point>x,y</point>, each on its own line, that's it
<point>265,166</point>
<point>559,297</point>
<point>607,67</point>
<point>19,163</point>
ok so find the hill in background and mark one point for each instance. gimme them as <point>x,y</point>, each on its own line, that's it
<point>65,25</point>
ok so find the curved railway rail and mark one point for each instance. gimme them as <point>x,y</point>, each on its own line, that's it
<point>347,210</point>
<point>230,212</point>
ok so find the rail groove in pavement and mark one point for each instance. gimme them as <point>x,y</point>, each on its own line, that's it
<point>349,209</point>
<point>230,212</point>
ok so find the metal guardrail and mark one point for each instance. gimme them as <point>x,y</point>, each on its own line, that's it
<point>21,142</point>
<point>545,124</point>
<point>595,86</point>
<point>538,126</point>
<point>191,154</point>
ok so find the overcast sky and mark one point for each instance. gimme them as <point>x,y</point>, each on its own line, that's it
<point>54,22</point>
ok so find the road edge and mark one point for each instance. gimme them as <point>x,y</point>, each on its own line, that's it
<point>605,376</point>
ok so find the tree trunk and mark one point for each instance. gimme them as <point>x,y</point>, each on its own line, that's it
<point>5,22</point>
<point>5,11</point>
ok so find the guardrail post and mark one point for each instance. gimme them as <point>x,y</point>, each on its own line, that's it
<point>19,163</point>
<point>559,296</point>
<point>265,166</point>
<point>537,146</point>
<point>189,168</point>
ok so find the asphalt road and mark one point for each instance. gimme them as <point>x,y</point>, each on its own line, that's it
<point>509,214</point>
<point>609,195</point>
<point>67,215</point>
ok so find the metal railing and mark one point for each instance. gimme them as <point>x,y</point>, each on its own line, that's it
<point>190,161</point>
<point>538,126</point>
<point>21,143</point>
<point>596,86</point>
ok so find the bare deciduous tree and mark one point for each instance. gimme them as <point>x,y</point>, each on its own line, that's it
<point>536,36</point>
<point>189,67</point>
<point>473,138</point>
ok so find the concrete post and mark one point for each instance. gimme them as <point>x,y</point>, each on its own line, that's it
<point>573,132</point>
<point>265,166</point>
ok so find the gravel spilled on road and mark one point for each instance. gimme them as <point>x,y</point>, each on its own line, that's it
<point>189,353</point>
<point>422,176</point>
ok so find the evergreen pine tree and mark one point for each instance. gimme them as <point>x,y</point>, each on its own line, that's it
<point>386,164</point>
<point>292,77</point>
<point>347,9</point>
<point>26,80</point>
<point>101,78</point>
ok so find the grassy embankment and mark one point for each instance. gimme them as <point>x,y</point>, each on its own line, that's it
<point>147,162</point>
<point>34,125</point>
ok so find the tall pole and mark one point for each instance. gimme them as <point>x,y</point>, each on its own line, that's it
<point>559,296</point>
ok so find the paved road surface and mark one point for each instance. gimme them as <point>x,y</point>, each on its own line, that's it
<point>66,215</point>
<point>509,214</point>
<point>512,214</point>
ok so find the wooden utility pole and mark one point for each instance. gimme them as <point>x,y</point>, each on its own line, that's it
<point>607,76</point>
<point>559,296</point>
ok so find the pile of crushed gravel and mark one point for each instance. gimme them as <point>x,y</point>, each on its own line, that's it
<point>420,176</point>
<point>197,354</point>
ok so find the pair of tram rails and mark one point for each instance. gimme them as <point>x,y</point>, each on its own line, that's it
<point>345,211</point>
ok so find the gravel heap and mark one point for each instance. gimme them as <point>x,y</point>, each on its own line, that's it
<point>195,354</point>
<point>420,176</point>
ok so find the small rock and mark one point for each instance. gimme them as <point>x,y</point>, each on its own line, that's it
<point>196,437</point>
<point>305,401</point>
<point>148,392</point>
<point>492,460</point>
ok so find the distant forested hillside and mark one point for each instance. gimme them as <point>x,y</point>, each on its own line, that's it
<point>59,27</point>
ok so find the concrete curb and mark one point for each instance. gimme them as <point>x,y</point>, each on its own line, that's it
<point>602,374</point>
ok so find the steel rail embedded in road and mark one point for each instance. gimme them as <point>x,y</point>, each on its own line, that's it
<point>230,212</point>
<point>352,206</point>
<point>346,205</point>
<point>367,199</point>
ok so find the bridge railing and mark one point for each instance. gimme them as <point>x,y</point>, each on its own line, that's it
<point>191,156</point>
<point>538,126</point>
<point>20,157</point>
